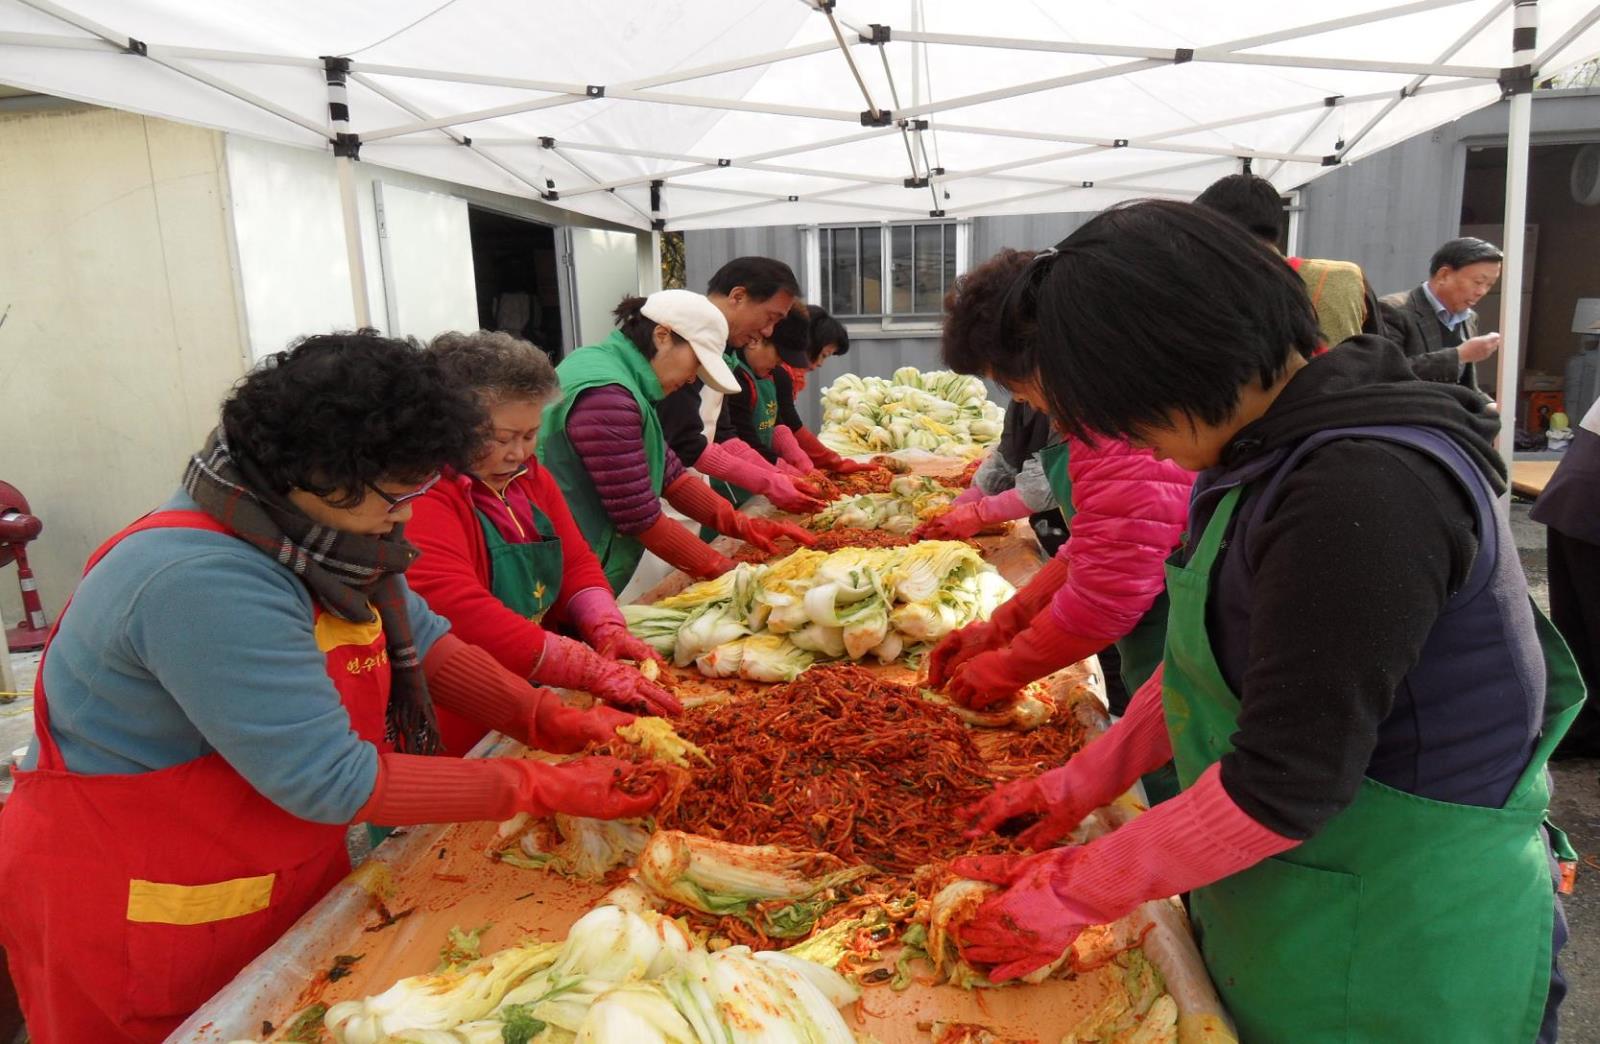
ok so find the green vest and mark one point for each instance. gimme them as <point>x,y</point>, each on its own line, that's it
<point>613,361</point>
<point>766,417</point>
<point>1404,918</point>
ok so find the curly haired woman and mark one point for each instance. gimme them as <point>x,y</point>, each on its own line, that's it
<point>241,674</point>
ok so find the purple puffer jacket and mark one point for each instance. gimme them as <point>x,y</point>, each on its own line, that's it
<point>606,430</point>
<point>1131,510</point>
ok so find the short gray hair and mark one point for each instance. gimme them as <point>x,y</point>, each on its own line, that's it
<point>497,366</point>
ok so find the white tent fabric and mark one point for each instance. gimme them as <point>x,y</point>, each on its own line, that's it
<point>757,112</point>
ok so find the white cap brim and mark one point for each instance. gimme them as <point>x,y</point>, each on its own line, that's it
<point>715,372</point>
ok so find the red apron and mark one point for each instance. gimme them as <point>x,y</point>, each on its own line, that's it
<point>126,901</point>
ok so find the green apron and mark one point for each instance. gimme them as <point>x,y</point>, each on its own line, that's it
<point>1141,648</point>
<point>766,417</point>
<point>526,577</point>
<point>1404,918</point>
<point>613,361</point>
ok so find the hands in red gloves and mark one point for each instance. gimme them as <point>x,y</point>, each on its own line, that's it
<point>959,646</point>
<point>995,676</point>
<point>958,523</point>
<point>1026,927</point>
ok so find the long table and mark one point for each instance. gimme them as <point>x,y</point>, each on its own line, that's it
<point>441,878</point>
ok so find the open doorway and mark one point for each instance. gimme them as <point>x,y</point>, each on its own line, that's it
<point>514,264</point>
<point>1559,266</point>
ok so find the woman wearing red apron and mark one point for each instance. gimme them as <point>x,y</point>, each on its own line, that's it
<point>1358,696</point>
<point>239,676</point>
<point>502,558</point>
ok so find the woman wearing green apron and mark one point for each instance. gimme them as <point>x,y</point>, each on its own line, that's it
<point>502,558</point>
<point>1124,510</point>
<point>604,446</point>
<point>1357,693</point>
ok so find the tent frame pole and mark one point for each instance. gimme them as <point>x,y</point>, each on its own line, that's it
<point>1525,39</point>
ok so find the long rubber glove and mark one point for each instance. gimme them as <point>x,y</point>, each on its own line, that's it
<point>573,665</point>
<point>995,676</point>
<point>681,549</point>
<point>789,451</point>
<point>963,520</point>
<point>697,500</point>
<point>593,611</point>
<point>466,679</point>
<point>719,461</point>
<point>823,457</point>
<point>1008,621</point>
<point>1196,838</point>
<point>1097,775</point>
<point>413,789</point>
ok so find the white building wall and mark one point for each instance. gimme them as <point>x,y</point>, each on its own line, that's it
<point>121,332</point>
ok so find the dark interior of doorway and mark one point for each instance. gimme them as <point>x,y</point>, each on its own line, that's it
<point>514,266</point>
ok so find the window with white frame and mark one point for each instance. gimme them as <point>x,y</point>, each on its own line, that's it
<point>885,273</point>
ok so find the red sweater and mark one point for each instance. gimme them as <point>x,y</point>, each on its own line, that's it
<point>452,572</point>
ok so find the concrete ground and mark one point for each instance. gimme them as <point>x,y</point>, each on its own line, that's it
<point>1576,809</point>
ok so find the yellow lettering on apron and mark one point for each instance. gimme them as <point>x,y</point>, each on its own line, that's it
<point>151,902</point>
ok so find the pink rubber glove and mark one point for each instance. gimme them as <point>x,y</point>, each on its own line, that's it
<point>573,665</point>
<point>593,611</point>
<point>1097,775</point>
<point>466,679</point>
<point>1196,838</point>
<point>789,450</point>
<point>967,496</point>
<point>995,676</point>
<point>758,476</point>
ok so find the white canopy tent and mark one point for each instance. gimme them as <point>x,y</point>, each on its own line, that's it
<point>685,115</point>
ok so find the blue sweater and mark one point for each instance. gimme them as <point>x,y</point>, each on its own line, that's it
<point>182,643</point>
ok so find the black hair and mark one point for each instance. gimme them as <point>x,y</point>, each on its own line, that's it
<point>761,277</point>
<point>1249,200</point>
<point>634,326</point>
<point>1459,253</point>
<point>979,336</point>
<point>496,366</point>
<point>337,413</point>
<point>1155,308</point>
<point>792,334</point>
<point>826,330</point>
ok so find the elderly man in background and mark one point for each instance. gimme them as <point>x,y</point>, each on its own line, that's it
<point>1435,324</point>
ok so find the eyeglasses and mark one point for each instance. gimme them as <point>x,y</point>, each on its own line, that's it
<point>395,502</point>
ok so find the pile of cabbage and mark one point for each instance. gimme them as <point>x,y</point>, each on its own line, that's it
<point>911,500</point>
<point>769,622</point>
<point>940,412</point>
<point>620,977</point>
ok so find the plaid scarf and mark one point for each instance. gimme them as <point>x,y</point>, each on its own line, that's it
<point>348,573</point>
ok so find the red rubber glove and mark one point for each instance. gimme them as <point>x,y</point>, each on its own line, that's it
<point>1017,612</point>
<point>466,679</point>
<point>959,646</point>
<point>573,665</point>
<point>823,457</point>
<point>995,676</point>
<point>681,549</point>
<point>1196,838</point>
<point>1097,775</point>
<point>696,499</point>
<point>595,614</point>
<point>414,789</point>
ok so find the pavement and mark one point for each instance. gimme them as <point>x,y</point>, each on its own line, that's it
<point>1575,808</point>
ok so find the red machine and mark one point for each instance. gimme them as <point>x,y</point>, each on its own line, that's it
<point>18,526</point>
